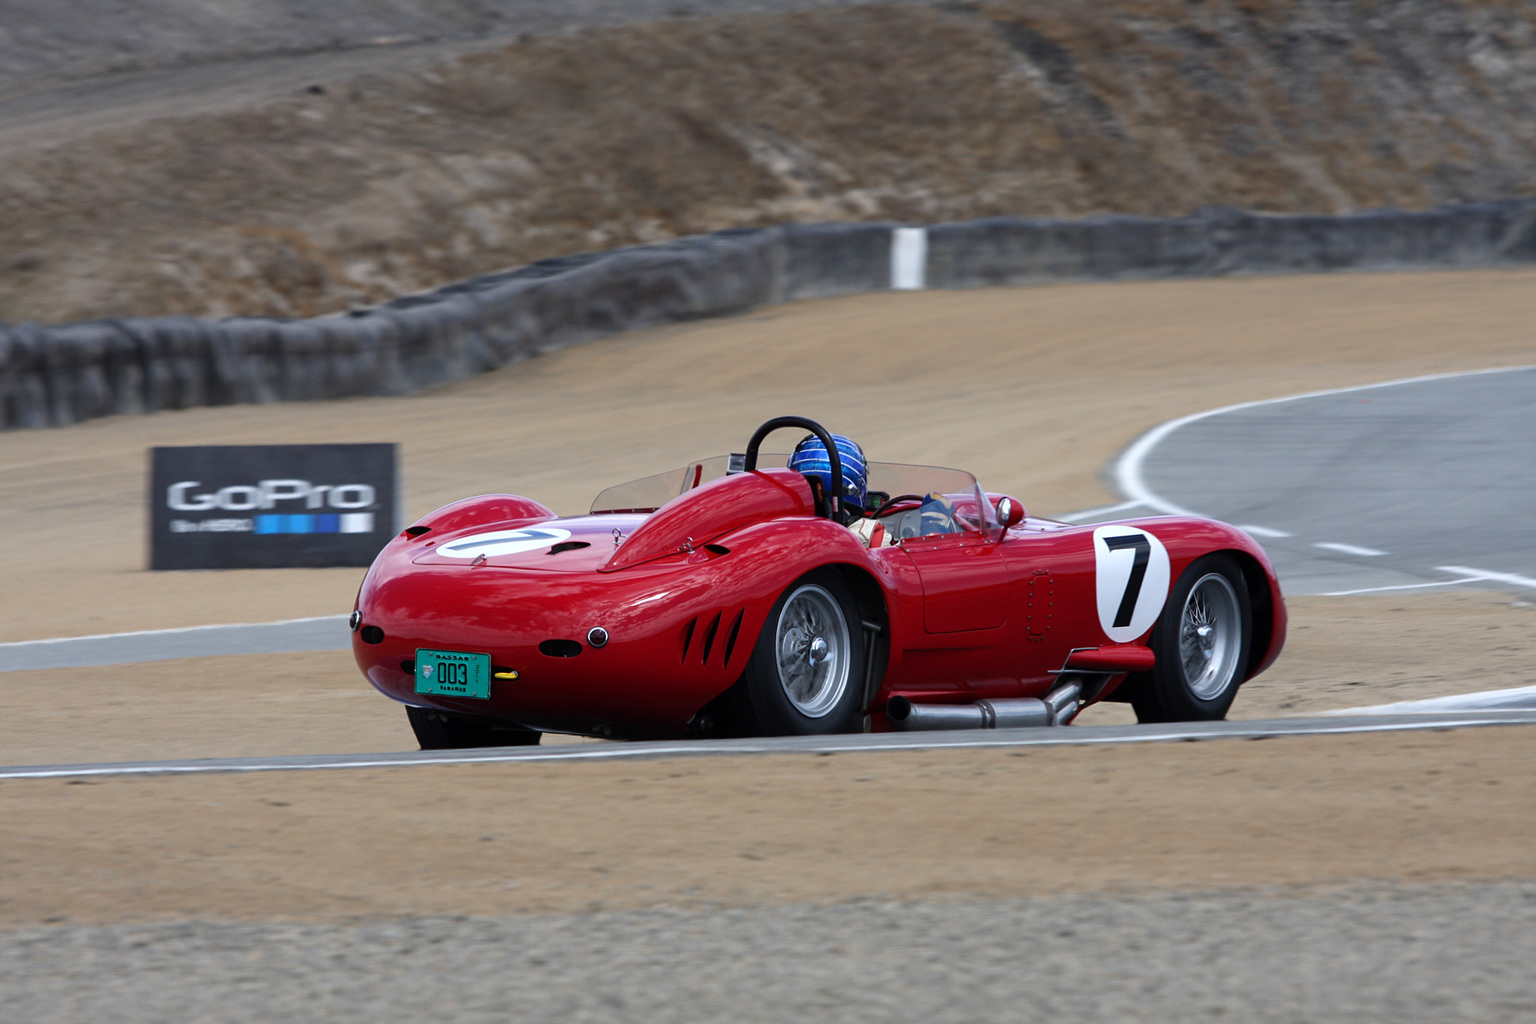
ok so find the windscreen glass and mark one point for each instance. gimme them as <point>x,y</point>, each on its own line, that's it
<point>937,500</point>
<point>650,493</point>
<point>926,501</point>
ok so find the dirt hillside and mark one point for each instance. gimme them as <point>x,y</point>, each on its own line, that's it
<point>352,189</point>
<point>45,41</point>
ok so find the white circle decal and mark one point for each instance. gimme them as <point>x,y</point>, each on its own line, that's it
<point>503,542</point>
<point>1131,575</point>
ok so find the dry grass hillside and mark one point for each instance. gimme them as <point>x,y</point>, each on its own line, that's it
<point>344,192</point>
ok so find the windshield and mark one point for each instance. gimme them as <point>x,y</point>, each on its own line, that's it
<point>649,493</point>
<point>937,501</point>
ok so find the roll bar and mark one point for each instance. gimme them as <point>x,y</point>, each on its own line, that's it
<point>835,499</point>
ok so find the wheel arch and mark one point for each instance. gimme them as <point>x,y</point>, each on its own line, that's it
<point>729,712</point>
<point>1261,605</point>
<point>871,600</point>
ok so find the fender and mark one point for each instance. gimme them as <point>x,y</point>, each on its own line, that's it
<point>1188,539</point>
<point>712,510</point>
<point>481,510</point>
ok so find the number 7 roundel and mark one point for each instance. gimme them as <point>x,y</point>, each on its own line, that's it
<point>1131,578</point>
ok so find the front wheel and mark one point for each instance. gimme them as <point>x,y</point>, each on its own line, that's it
<point>445,730</point>
<point>807,671</point>
<point>1202,646</point>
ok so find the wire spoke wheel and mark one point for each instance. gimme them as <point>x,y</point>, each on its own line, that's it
<point>1210,635</point>
<point>813,651</point>
<point>1202,642</point>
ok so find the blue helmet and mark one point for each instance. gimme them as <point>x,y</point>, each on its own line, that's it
<point>810,458</point>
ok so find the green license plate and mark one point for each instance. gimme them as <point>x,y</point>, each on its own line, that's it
<point>453,674</point>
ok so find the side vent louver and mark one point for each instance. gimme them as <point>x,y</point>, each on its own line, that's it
<point>730,640</point>
<point>688,636</point>
<point>709,637</point>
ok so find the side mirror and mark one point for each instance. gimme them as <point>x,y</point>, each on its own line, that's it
<point>1009,512</point>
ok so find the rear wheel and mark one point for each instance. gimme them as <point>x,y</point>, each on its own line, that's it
<point>1202,644</point>
<point>446,730</point>
<point>807,671</point>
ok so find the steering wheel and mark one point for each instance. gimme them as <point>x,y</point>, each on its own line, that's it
<point>834,508</point>
<point>885,505</point>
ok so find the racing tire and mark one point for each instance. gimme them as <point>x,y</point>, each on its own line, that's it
<point>806,675</point>
<point>1201,642</point>
<point>446,730</point>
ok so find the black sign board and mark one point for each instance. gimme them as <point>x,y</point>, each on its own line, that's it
<point>270,506</point>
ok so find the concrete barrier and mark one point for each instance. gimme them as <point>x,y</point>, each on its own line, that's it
<point>55,375</point>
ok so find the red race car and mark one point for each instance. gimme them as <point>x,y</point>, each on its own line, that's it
<point>802,594</point>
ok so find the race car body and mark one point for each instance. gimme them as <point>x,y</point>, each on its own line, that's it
<point>709,601</point>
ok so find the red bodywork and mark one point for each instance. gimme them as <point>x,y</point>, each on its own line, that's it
<point>684,592</point>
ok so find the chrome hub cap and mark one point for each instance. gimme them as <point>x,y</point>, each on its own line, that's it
<point>813,651</point>
<point>819,651</point>
<point>1209,637</point>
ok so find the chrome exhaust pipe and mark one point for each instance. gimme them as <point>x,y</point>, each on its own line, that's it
<point>1020,713</point>
<point>903,714</point>
<point>1063,702</point>
<point>1058,708</point>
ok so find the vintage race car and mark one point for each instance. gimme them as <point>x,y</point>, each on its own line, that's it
<point>738,597</point>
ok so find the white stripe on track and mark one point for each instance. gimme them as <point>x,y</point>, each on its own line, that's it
<point>1400,586</point>
<point>175,631</point>
<point>1518,698</point>
<point>1103,510</point>
<point>1067,736</point>
<point>1263,531</point>
<point>1513,579</point>
<point>1348,549</point>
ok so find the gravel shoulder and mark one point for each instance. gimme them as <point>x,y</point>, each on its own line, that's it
<point>1387,953</point>
<point>792,829</point>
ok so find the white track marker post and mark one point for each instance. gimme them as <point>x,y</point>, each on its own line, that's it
<point>909,258</point>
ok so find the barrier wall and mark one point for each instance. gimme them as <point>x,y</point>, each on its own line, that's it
<point>55,375</point>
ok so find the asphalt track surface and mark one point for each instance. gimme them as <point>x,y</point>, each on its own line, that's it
<point>1518,711</point>
<point>1425,483</point>
<point>319,633</point>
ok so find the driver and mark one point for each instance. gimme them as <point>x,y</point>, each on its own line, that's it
<point>810,458</point>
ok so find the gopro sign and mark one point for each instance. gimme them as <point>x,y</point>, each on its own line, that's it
<point>270,506</point>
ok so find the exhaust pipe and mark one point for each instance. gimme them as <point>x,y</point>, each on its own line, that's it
<point>1058,708</point>
<point>1063,702</point>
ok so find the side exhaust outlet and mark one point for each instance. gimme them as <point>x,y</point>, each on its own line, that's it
<point>1058,708</point>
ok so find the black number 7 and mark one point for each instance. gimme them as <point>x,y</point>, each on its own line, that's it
<point>1138,572</point>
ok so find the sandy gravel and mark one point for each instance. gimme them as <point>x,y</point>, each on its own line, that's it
<point>1389,954</point>
<point>519,838</point>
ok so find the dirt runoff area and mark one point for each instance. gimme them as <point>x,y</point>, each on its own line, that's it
<point>1034,389</point>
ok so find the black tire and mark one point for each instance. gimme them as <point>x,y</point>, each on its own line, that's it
<point>806,701</point>
<point>447,730</point>
<point>1193,680</point>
